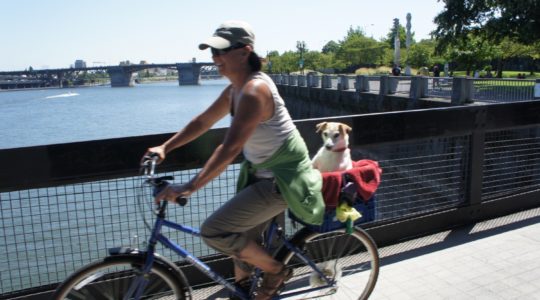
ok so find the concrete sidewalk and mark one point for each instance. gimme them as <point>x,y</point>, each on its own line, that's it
<point>494,259</point>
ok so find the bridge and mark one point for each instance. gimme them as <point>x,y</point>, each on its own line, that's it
<point>121,76</point>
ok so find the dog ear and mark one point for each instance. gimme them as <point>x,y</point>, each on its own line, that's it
<point>320,127</point>
<point>344,128</point>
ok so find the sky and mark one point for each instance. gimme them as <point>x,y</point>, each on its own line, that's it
<point>55,33</point>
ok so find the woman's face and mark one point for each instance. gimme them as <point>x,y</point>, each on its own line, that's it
<point>230,60</point>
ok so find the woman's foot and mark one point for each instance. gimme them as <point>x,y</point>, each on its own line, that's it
<point>244,285</point>
<point>272,284</point>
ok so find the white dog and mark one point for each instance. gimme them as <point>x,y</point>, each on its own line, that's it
<point>335,154</point>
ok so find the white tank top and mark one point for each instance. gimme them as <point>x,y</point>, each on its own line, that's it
<point>268,135</point>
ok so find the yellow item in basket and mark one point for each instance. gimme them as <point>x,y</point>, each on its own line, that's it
<point>344,212</point>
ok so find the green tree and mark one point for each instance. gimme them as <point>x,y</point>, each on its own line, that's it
<point>357,49</point>
<point>284,63</point>
<point>330,47</point>
<point>421,54</point>
<point>495,20</point>
<point>508,49</point>
<point>471,53</point>
<point>402,37</point>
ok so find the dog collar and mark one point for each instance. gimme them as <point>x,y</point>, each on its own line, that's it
<point>340,149</point>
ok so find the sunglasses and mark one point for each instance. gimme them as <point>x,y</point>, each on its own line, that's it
<point>218,52</point>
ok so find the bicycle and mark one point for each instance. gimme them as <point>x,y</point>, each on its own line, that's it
<point>335,263</point>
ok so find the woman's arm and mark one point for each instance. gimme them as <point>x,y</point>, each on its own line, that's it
<point>197,126</point>
<point>255,106</point>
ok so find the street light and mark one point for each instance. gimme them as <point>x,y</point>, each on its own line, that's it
<point>301,46</point>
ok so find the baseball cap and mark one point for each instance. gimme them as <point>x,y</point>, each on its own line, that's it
<point>230,33</point>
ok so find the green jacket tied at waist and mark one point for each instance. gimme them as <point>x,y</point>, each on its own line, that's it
<point>297,181</point>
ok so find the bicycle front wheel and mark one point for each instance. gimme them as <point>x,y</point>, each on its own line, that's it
<point>111,278</point>
<point>351,261</point>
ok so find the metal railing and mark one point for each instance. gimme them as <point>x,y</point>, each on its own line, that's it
<point>458,90</point>
<point>63,205</point>
<point>502,90</point>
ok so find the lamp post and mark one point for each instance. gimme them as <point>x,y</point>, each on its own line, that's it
<point>268,63</point>
<point>301,46</point>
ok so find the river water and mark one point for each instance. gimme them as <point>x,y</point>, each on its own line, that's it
<point>39,238</point>
<point>51,116</point>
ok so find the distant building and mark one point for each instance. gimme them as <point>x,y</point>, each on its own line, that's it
<point>143,62</point>
<point>79,63</point>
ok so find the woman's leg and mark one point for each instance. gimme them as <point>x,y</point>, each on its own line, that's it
<point>235,226</point>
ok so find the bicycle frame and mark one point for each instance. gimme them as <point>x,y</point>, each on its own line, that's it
<point>139,284</point>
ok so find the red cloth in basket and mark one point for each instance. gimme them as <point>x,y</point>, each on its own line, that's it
<point>365,173</point>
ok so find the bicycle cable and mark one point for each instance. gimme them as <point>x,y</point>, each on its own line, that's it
<point>145,182</point>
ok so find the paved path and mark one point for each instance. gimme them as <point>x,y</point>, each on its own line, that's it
<point>494,259</point>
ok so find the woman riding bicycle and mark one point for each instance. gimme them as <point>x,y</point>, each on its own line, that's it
<point>277,172</point>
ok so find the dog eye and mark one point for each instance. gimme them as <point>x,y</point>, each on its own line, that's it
<point>336,135</point>
<point>325,134</point>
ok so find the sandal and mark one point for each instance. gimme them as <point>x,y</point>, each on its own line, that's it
<point>272,284</point>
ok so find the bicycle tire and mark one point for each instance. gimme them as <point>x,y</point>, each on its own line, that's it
<point>109,278</point>
<point>352,260</point>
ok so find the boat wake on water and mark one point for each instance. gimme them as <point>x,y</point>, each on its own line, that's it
<point>70,94</point>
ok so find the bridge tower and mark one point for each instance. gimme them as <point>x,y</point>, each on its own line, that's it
<point>120,76</point>
<point>189,73</point>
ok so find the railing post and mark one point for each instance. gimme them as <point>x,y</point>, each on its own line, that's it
<point>362,83</point>
<point>293,79</point>
<point>301,80</point>
<point>384,85</point>
<point>418,87</point>
<point>462,90</point>
<point>326,82</point>
<point>393,83</point>
<point>537,89</point>
<point>285,79</point>
<point>477,159</point>
<point>343,82</point>
<point>425,85</point>
<point>358,83</point>
<point>315,79</point>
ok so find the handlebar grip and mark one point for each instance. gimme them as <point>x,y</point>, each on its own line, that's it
<point>153,154</point>
<point>181,201</point>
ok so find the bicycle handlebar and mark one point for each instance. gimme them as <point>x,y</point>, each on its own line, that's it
<point>158,183</point>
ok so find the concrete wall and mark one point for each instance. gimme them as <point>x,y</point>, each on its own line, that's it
<point>306,102</point>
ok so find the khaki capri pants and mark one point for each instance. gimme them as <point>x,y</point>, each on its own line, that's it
<point>243,218</point>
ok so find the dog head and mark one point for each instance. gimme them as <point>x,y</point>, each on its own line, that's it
<point>335,135</point>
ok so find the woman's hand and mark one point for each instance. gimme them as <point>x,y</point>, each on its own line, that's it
<point>174,191</point>
<point>159,150</point>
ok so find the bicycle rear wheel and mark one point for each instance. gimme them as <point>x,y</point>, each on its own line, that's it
<point>111,277</point>
<point>351,260</point>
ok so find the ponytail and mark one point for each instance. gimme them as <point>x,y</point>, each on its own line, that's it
<point>254,62</point>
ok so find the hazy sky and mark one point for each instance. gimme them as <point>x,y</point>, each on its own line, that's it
<point>54,33</point>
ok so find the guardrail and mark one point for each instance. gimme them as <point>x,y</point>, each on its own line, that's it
<point>457,90</point>
<point>63,205</point>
